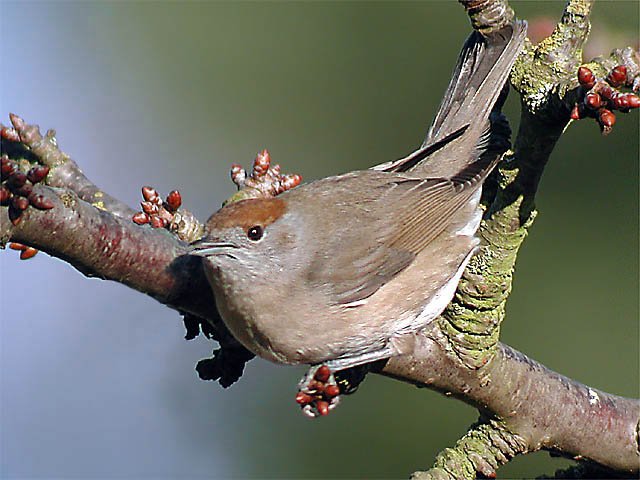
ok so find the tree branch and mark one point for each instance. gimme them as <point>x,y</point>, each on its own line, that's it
<point>533,407</point>
<point>462,356</point>
<point>64,172</point>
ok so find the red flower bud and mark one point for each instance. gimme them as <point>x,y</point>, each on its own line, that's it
<point>28,253</point>
<point>303,398</point>
<point>149,208</point>
<point>617,76</point>
<point>593,101</point>
<point>37,173</point>
<point>575,112</point>
<point>140,218</point>
<point>586,77</point>
<point>5,195</point>
<point>633,100</point>
<point>150,194</point>
<point>323,407</point>
<point>19,203</point>
<point>8,168</point>
<point>316,386</point>
<point>621,101</point>
<point>158,222</point>
<point>40,201</point>
<point>261,163</point>
<point>607,118</point>
<point>332,391</point>
<point>322,374</point>
<point>607,92</point>
<point>17,180</point>
<point>238,174</point>
<point>174,200</point>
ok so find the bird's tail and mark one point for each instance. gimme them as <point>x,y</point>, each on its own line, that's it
<point>460,126</point>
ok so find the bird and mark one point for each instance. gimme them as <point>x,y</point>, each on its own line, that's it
<point>345,270</point>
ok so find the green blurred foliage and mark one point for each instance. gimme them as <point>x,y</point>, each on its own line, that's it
<point>331,87</point>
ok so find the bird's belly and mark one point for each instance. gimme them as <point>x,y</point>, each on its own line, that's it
<point>296,333</point>
<point>244,327</point>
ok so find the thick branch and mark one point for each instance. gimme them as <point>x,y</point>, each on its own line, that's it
<point>528,403</point>
<point>103,245</point>
<point>542,408</point>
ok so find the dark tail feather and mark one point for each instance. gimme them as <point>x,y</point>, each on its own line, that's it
<point>480,74</point>
<point>461,130</point>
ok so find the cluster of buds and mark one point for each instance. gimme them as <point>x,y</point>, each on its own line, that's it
<point>158,213</point>
<point>17,192</point>
<point>602,97</point>
<point>265,180</point>
<point>26,252</point>
<point>10,133</point>
<point>319,395</point>
<point>167,214</point>
<point>16,188</point>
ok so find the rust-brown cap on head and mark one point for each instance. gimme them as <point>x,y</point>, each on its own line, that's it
<point>248,213</point>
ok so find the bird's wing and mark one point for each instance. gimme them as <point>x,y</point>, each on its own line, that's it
<point>376,236</point>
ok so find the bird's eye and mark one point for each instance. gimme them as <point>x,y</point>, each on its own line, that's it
<point>255,233</point>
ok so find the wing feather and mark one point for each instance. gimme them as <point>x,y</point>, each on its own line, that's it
<point>400,217</point>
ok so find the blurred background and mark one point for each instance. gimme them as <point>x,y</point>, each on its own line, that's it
<point>96,379</point>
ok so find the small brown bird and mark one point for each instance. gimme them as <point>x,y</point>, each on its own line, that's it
<point>344,270</point>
